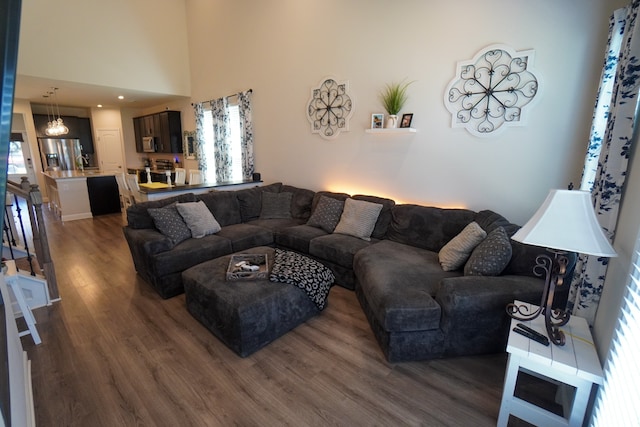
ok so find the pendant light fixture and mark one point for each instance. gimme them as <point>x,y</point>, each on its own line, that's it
<point>55,127</point>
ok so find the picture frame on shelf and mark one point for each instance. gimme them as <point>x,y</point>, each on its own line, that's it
<point>406,120</point>
<point>377,121</point>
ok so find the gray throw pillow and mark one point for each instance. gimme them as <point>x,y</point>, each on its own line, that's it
<point>326,214</point>
<point>358,218</point>
<point>276,205</point>
<point>454,254</point>
<point>198,218</point>
<point>169,222</point>
<point>491,256</point>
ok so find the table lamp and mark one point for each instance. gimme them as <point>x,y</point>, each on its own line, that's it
<point>566,222</point>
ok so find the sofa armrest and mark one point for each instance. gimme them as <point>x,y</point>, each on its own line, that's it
<point>149,241</point>
<point>474,318</point>
<point>480,293</point>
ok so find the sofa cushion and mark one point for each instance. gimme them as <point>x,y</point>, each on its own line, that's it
<point>223,205</point>
<point>326,214</point>
<point>300,202</point>
<point>297,238</point>
<point>138,217</point>
<point>337,248</point>
<point>245,236</point>
<point>276,205</point>
<point>358,218</point>
<point>169,222</point>
<point>399,282</point>
<point>189,253</point>
<point>491,256</point>
<point>198,218</point>
<point>384,218</point>
<point>250,200</point>
<point>454,254</point>
<point>427,227</point>
<point>490,220</point>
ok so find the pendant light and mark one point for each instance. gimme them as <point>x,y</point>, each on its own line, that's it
<point>55,127</point>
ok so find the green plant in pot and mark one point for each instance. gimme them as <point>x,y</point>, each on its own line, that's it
<point>393,99</point>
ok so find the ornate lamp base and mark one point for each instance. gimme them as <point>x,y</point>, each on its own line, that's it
<point>553,269</point>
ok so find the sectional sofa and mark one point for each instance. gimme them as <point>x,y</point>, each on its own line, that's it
<point>432,282</point>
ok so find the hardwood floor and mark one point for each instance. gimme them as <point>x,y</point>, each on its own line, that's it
<point>114,353</point>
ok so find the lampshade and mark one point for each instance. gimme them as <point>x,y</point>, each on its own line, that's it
<point>566,221</point>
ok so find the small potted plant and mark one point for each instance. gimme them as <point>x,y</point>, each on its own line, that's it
<point>393,99</point>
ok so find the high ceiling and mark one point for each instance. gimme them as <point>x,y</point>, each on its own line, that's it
<point>71,94</point>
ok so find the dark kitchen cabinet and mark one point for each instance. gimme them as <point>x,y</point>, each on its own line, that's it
<point>85,135</point>
<point>79,128</point>
<point>164,127</point>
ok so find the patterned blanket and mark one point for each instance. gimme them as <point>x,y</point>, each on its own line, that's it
<point>307,274</point>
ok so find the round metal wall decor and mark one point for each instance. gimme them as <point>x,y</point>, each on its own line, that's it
<point>330,108</point>
<point>490,91</point>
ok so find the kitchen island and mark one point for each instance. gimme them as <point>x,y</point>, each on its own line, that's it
<point>75,194</point>
<point>160,190</point>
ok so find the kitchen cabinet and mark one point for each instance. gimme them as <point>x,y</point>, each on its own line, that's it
<point>164,127</point>
<point>79,128</point>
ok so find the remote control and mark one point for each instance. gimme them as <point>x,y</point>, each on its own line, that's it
<point>543,340</point>
<point>533,331</point>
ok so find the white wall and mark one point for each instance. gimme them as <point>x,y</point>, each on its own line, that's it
<point>283,48</point>
<point>138,44</point>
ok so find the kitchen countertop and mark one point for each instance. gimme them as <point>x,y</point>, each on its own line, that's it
<point>188,187</point>
<point>76,174</point>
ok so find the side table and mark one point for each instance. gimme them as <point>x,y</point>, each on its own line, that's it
<point>575,364</point>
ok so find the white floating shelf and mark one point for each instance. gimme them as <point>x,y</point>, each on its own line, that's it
<point>392,131</point>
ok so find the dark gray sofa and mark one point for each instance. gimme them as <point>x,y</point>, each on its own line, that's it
<point>416,310</point>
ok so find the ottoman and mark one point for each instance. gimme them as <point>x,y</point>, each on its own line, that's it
<point>244,315</point>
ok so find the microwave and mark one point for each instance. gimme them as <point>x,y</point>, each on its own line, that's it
<point>147,144</point>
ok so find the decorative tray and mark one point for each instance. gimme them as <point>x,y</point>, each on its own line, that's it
<point>248,267</point>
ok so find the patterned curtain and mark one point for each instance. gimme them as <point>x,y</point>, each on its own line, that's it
<point>222,149</point>
<point>246,134</point>
<point>613,156</point>
<point>201,153</point>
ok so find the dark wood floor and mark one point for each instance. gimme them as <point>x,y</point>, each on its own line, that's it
<point>115,354</point>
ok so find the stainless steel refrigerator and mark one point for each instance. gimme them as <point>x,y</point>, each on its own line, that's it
<point>61,154</point>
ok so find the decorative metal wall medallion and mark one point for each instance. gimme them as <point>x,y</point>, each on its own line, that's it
<point>330,108</point>
<point>490,91</point>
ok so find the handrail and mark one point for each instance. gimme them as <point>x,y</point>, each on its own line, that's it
<point>31,193</point>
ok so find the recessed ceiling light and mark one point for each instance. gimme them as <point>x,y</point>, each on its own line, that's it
<point>120,97</point>
<point>99,105</point>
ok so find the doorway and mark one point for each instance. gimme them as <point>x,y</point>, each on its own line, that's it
<point>109,149</point>
<point>20,162</point>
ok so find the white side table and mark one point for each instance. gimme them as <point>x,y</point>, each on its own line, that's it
<point>575,364</point>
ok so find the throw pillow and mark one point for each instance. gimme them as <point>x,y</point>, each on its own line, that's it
<point>454,254</point>
<point>276,205</point>
<point>326,214</point>
<point>358,218</point>
<point>305,273</point>
<point>198,218</point>
<point>491,256</point>
<point>169,222</point>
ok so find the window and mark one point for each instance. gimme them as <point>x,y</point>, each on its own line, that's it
<point>617,402</point>
<point>15,162</point>
<point>234,143</point>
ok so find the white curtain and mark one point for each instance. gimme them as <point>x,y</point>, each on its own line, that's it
<point>619,118</point>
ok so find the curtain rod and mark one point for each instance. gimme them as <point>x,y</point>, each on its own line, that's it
<point>229,96</point>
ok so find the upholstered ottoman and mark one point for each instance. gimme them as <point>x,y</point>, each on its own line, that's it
<point>245,315</point>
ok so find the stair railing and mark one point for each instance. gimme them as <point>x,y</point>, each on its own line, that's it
<point>31,194</point>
